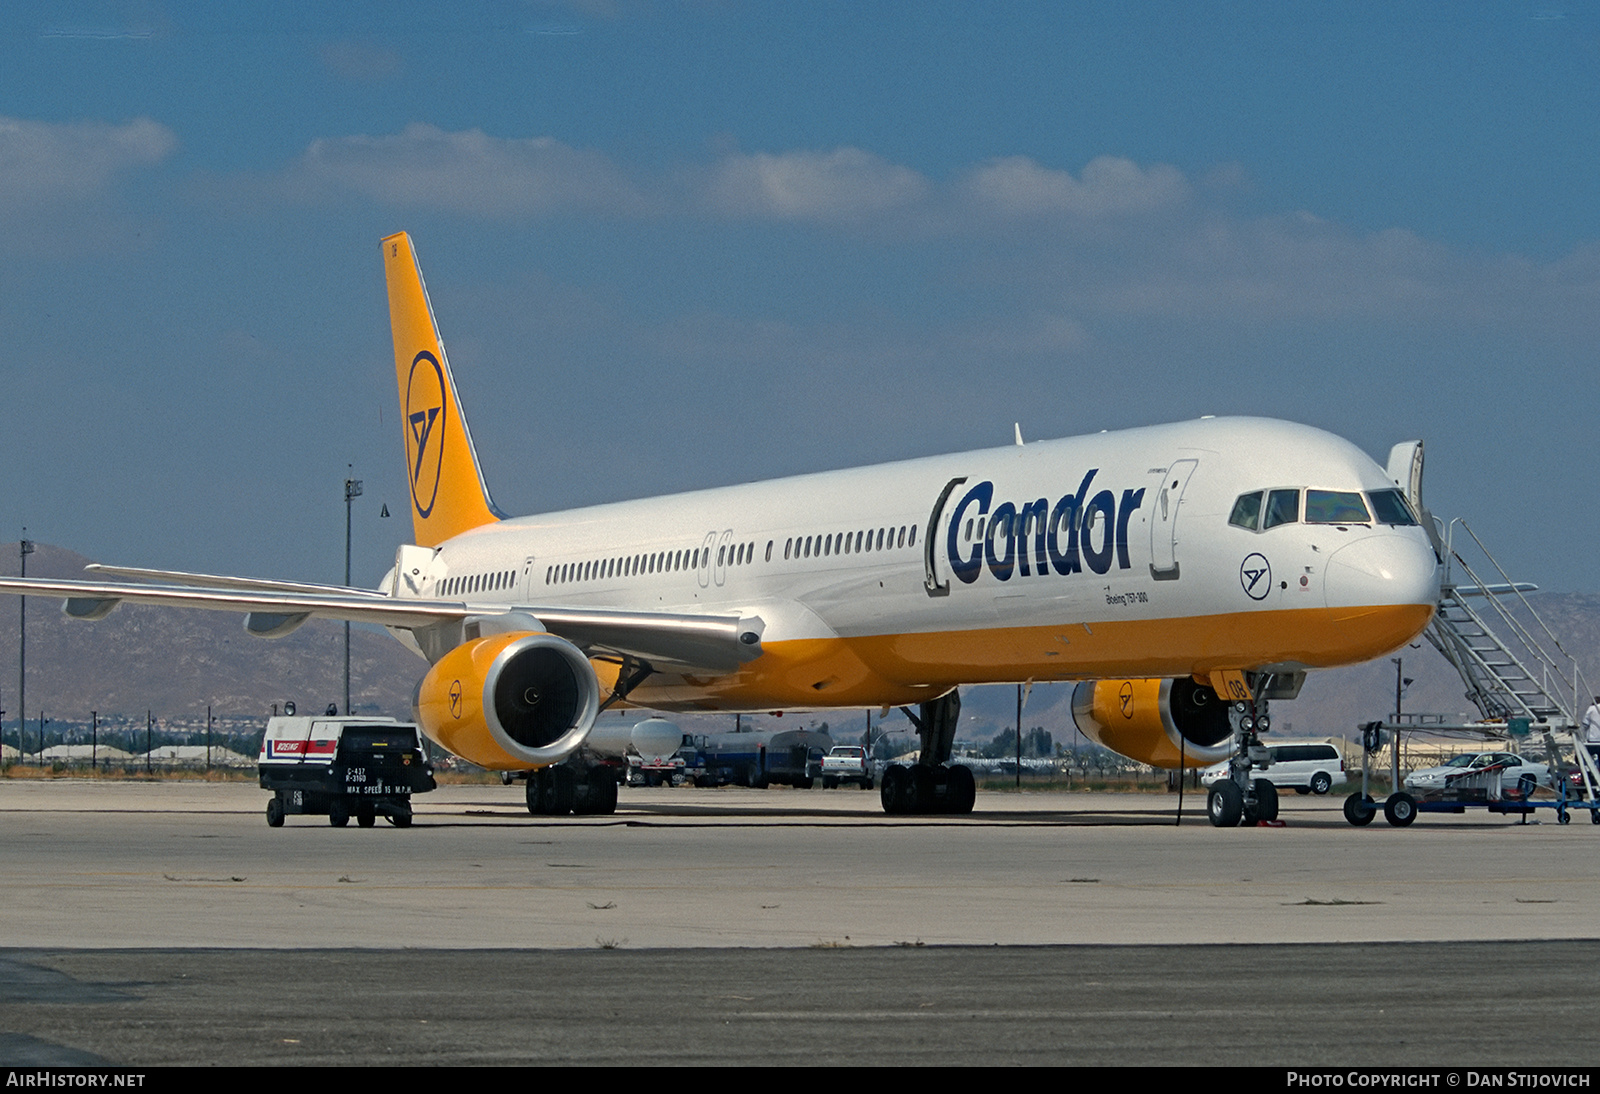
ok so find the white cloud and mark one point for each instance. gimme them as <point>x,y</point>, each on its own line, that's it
<point>1108,186</point>
<point>44,163</point>
<point>844,184</point>
<point>469,172</point>
<point>1289,266</point>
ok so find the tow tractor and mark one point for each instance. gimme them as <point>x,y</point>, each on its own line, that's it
<point>342,768</point>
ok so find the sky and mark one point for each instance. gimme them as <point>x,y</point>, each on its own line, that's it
<point>678,245</point>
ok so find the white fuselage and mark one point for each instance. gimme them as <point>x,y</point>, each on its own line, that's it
<point>1089,557</point>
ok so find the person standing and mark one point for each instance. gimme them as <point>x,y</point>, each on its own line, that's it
<point>1591,727</point>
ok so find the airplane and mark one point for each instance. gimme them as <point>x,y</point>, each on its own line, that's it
<point>1184,575</point>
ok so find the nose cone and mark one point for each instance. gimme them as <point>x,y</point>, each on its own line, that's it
<point>1383,590</point>
<point>1385,568</point>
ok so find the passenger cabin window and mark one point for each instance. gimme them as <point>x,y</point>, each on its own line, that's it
<point>1283,507</point>
<point>1391,507</point>
<point>1335,507</point>
<point>1246,512</point>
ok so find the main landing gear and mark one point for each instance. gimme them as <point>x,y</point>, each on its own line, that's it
<point>933,784</point>
<point>565,788</point>
<point>1238,799</point>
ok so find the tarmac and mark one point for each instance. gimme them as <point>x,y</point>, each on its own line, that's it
<point>164,922</point>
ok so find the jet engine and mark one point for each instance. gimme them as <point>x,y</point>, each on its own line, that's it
<point>1149,720</point>
<point>510,702</point>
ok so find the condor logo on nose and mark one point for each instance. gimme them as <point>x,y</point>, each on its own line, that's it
<point>424,429</point>
<point>1255,574</point>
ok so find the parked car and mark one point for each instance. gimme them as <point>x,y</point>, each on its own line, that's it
<point>1513,770</point>
<point>1306,767</point>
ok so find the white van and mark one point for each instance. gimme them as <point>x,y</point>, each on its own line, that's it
<point>1307,767</point>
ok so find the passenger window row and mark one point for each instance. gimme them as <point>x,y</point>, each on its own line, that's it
<point>738,554</point>
<point>467,584</point>
<point>846,543</point>
<point>1027,523</point>
<point>733,554</point>
<point>658,562</point>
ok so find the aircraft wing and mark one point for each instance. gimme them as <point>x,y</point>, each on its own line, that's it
<point>218,581</point>
<point>683,642</point>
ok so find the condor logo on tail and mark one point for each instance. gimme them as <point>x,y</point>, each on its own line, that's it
<point>425,420</point>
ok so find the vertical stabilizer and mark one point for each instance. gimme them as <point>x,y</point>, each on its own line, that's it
<point>448,496</point>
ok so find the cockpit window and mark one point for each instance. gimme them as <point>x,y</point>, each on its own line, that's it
<point>1283,507</point>
<point>1391,507</point>
<point>1335,507</point>
<point>1247,512</point>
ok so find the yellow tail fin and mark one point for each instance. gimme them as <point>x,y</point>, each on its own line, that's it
<point>448,496</point>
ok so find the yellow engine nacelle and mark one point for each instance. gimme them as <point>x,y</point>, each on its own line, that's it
<point>1148,720</point>
<point>510,702</point>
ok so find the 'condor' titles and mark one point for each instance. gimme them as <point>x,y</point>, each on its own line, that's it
<point>1036,537</point>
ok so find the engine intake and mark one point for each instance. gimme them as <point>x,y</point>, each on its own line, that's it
<point>509,702</point>
<point>1149,720</point>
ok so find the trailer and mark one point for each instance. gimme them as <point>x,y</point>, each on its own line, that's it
<point>342,768</point>
<point>1483,785</point>
<point>761,758</point>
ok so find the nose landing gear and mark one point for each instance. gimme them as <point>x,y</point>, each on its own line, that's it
<point>1239,799</point>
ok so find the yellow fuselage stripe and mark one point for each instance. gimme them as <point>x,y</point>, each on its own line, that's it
<point>873,670</point>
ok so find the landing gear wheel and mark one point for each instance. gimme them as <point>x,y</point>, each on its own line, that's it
<point>338,813</point>
<point>829,782</point>
<point>1225,805</point>
<point>1400,809</point>
<point>1359,810</point>
<point>895,789</point>
<point>274,812</point>
<point>535,791</point>
<point>961,790</point>
<point>1321,782</point>
<point>366,817</point>
<point>402,818</point>
<point>597,794</point>
<point>1266,801</point>
<point>557,791</point>
<point>1302,790</point>
<point>920,786</point>
<point>603,791</point>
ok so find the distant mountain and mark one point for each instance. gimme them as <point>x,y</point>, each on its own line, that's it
<point>175,662</point>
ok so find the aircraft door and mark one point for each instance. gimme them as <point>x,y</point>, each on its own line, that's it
<point>1164,520</point>
<point>527,579</point>
<point>1405,471</point>
<point>935,545</point>
<point>705,560</point>
<point>720,572</point>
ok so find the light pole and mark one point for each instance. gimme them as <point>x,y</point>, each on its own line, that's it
<point>352,491</point>
<point>24,549</point>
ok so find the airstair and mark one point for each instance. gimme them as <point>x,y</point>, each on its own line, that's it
<point>1516,671</point>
